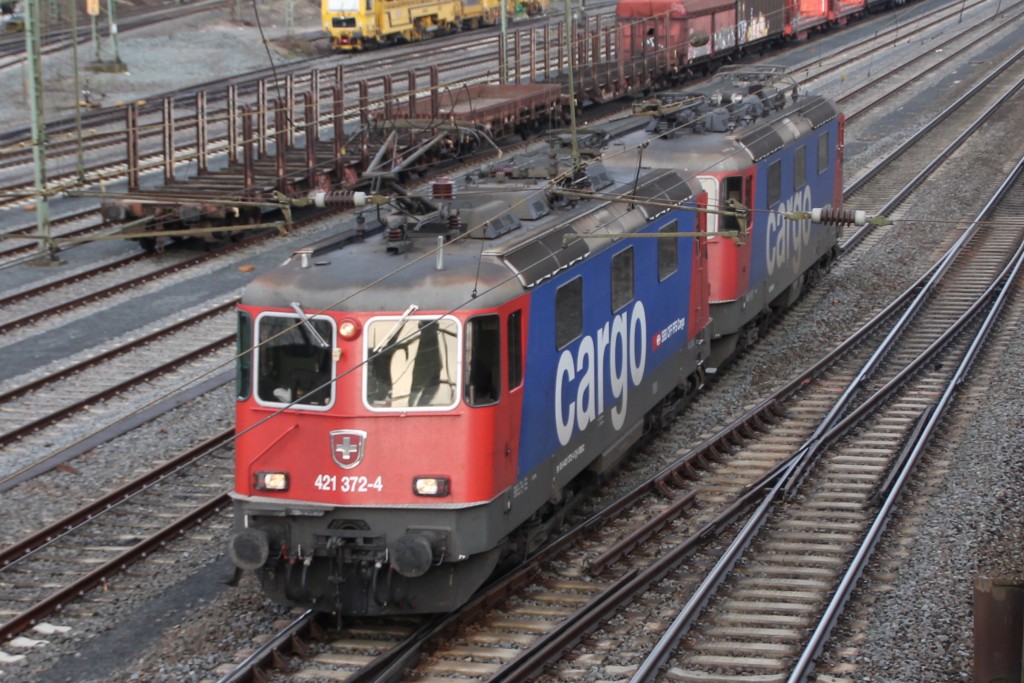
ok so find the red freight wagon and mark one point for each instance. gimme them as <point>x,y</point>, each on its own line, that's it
<point>806,15</point>
<point>689,32</point>
<point>842,10</point>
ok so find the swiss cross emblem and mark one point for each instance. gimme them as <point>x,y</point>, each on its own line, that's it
<point>347,447</point>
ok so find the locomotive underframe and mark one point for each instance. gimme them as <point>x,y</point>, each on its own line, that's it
<point>738,324</point>
<point>339,559</point>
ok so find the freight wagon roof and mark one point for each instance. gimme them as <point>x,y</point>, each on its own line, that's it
<point>638,9</point>
<point>365,276</point>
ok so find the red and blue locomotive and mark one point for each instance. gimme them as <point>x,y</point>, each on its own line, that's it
<point>716,135</point>
<point>428,400</point>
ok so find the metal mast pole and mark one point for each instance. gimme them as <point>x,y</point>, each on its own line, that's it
<point>503,43</point>
<point>77,89</point>
<point>95,37</point>
<point>33,34</point>
<point>113,31</point>
<point>570,23</point>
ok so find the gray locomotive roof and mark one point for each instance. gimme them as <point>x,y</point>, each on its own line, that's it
<point>687,153</point>
<point>365,276</point>
<point>693,153</point>
<point>509,203</point>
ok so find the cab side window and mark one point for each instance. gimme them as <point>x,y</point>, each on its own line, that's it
<point>483,360</point>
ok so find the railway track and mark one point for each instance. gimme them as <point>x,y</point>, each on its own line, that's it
<point>949,131</point>
<point>912,72</point>
<point>839,494</point>
<point>19,245</point>
<point>55,569</point>
<point>90,388</point>
<point>887,186</point>
<point>923,31</point>
<point>95,285</point>
<point>56,34</point>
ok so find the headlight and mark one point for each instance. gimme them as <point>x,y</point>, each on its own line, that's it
<point>348,329</point>
<point>431,486</point>
<point>271,481</point>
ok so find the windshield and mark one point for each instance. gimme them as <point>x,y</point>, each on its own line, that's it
<point>292,365</point>
<point>342,5</point>
<point>412,363</point>
<point>710,185</point>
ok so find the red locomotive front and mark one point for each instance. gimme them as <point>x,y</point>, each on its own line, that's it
<point>314,395</point>
<point>356,445</point>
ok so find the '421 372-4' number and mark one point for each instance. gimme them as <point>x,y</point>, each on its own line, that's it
<point>348,484</point>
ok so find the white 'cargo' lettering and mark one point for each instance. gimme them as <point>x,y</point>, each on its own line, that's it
<point>786,238</point>
<point>619,349</point>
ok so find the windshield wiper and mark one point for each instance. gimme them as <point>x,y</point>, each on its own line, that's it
<point>389,337</point>
<point>308,325</point>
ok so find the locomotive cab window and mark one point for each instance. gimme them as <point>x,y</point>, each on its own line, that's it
<point>823,149</point>
<point>294,360</point>
<point>733,188</point>
<point>483,360</point>
<point>243,369</point>
<point>710,185</point>
<point>411,363</point>
<point>568,312</point>
<point>622,279</point>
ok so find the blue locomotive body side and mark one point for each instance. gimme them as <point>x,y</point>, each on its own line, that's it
<point>585,393</point>
<point>782,247</point>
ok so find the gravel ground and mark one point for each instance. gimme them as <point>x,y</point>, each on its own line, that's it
<point>919,625</point>
<point>216,42</point>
